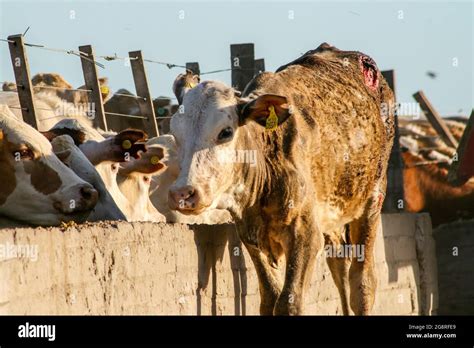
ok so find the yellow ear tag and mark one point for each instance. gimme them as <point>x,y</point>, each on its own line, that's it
<point>189,85</point>
<point>104,89</point>
<point>154,160</point>
<point>272,120</point>
<point>126,144</point>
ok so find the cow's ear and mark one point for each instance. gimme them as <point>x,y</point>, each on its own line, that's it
<point>131,141</point>
<point>268,110</point>
<point>183,83</point>
<point>104,88</point>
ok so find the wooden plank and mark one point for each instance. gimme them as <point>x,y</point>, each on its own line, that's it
<point>395,194</point>
<point>194,67</point>
<point>259,66</point>
<point>435,119</point>
<point>463,169</point>
<point>242,60</point>
<point>21,69</point>
<point>389,76</point>
<point>91,79</point>
<point>145,102</point>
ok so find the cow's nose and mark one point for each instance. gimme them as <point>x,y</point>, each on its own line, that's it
<point>80,198</point>
<point>184,198</point>
<point>89,197</point>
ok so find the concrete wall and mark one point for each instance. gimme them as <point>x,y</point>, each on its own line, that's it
<point>145,268</point>
<point>455,257</point>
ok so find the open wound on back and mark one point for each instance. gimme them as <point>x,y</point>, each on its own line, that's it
<point>370,72</point>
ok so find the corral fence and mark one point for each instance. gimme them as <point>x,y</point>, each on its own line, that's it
<point>243,68</point>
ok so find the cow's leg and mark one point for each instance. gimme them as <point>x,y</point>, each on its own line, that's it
<point>301,250</point>
<point>339,267</point>
<point>269,281</point>
<point>362,278</point>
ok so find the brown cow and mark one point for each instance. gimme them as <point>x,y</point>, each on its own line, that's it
<point>321,141</point>
<point>427,189</point>
<point>64,90</point>
<point>119,103</point>
<point>426,163</point>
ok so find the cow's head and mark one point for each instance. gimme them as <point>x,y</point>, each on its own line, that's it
<point>134,179</point>
<point>37,188</point>
<point>207,133</point>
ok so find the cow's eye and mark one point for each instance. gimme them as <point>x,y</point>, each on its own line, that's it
<point>114,167</point>
<point>146,179</point>
<point>23,154</point>
<point>225,134</point>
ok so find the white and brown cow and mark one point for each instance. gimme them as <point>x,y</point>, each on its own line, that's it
<point>37,188</point>
<point>162,181</point>
<point>134,180</point>
<point>321,136</point>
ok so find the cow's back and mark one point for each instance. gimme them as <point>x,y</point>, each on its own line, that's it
<point>340,135</point>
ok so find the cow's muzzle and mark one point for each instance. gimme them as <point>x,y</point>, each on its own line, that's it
<point>80,199</point>
<point>186,200</point>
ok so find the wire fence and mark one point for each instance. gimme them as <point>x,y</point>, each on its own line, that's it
<point>114,57</point>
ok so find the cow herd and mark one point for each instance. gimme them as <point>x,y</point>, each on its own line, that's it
<point>316,130</point>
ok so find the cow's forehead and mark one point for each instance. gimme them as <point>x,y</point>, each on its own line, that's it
<point>19,132</point>
<point>205,96</point>
<point>204,106</point>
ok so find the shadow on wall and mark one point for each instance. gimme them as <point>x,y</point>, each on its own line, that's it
<point>212,242</point>
<point>455,255</point>
<point>409,260</point>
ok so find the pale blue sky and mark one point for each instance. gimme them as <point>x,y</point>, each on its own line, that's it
<point>429,37</point>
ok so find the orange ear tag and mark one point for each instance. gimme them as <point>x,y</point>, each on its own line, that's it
<point>272,120</point>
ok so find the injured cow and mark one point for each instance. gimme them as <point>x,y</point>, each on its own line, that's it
<point>322,143</point>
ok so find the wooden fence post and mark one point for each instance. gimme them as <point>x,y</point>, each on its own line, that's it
<point>21,69</point>
<point>462,170</point>
<point>91,80</point>
<point>435,119</point>
<point>242,60</point>
<point>259,66</point>
<point>145,100</point>
<point>194,67</point>
<point>395,195</point>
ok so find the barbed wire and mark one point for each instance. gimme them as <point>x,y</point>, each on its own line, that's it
<point>80,54</point>
<point>116,57</point>
<point>168,65</point>
<point>113,57</point>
